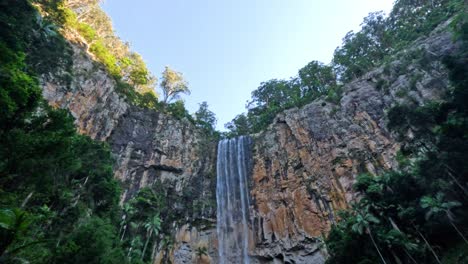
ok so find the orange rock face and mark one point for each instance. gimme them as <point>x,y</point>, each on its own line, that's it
<point>307,160</point>
<point>304,164</point>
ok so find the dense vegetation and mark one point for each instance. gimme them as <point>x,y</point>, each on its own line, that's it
<point>86,22</point>
<point>418,213</point>
<point>58,198</point>
<point>379,39</point>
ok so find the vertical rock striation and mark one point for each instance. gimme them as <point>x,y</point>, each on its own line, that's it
<point>306,162</point>
<point>148,146</point>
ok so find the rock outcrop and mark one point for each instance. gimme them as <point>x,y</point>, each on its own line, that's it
<point>148,146</point>
<point>153,146</point>
<point>90,95</point>
<point>306,162</point>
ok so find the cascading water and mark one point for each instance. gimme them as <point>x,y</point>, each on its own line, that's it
<point>233,200</point>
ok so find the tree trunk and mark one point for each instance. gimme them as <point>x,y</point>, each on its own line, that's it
<point>409,255</point>
<point>397,259</point>
<point>375,245</point>
<point>123,234</point>
<point>146,243</point>
<point>449,172</point>
<point>27,199</point>
<point>430,248</point>
<point>128,254</point>
<point>458,231</point>
<point>395,226</point>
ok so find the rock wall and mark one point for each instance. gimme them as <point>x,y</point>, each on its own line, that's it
<point>153,146</point>
<point>90,95</point>
<point>306,162</point>
<point>148,146</point>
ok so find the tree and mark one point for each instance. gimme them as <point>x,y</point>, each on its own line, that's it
<point>204,118</point>
<point>177,110</point>
<point>128,211</point>
<point>12,223</point>
<point>92,241</point>
<point>139,75</point>
<point>316,78</point>
<point>201,251</point>
<point>152,228</point>
<point>437,205</point>
<point>172,85</point>
<point>239,126</point>
<point>363,221</point>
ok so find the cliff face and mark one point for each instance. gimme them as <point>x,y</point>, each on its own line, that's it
<point>148,146</point>
<point>89,95</point>
<point>152,146</point>
<point>306,162</point>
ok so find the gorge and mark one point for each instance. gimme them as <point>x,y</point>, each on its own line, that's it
<point>367,166</point>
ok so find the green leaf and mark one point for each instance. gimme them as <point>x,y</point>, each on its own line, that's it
<point>7,219</point>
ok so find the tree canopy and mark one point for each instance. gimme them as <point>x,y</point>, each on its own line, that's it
<point>173,85</point>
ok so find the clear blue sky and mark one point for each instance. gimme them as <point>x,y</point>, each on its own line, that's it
<point>225,48</point>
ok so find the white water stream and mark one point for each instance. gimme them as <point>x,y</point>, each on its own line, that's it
<point>232,199</point>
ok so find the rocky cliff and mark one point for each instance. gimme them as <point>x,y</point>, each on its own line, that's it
<point>306,162</point>
<point>148,146</point>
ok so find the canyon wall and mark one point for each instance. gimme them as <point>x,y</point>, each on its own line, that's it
<point>148,146</point>
<point>306,162</point>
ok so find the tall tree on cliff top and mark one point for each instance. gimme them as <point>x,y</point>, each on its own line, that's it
<point>173,84</point>
<point>204,118</point>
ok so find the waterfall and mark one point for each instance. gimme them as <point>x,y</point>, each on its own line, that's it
<point>232,198</point>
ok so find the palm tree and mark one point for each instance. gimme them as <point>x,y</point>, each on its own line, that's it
<point>128,212</point>
<point>201,251</point>
<point>134,248</point>
<point>363,221</point>
<point>152,227</point>
<point>401,240</point>
<point>437,205</point>
<point>12,222</point>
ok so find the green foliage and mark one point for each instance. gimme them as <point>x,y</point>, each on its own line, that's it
<point>147,215</point>
<point>13,222</point>
<point>177,110</point>
<point>380,37</point>
<point>92,241</point>
<point>105,56</point>
<point>58,198</point>
<point>19,92</point>
<point>87,32</point>
<point>148,100</point>
<point>173,85</point>
<point>456,255</point>
<point>87,19</point>
<point>206,120</point>
<point>274,96</point>
<point>201,251</point>
<point>240,125</point>
<point>418,213</point>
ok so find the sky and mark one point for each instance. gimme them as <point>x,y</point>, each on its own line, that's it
<point>226,48</point>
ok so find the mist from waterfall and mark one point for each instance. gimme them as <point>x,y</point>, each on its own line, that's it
<point>232,199</point>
